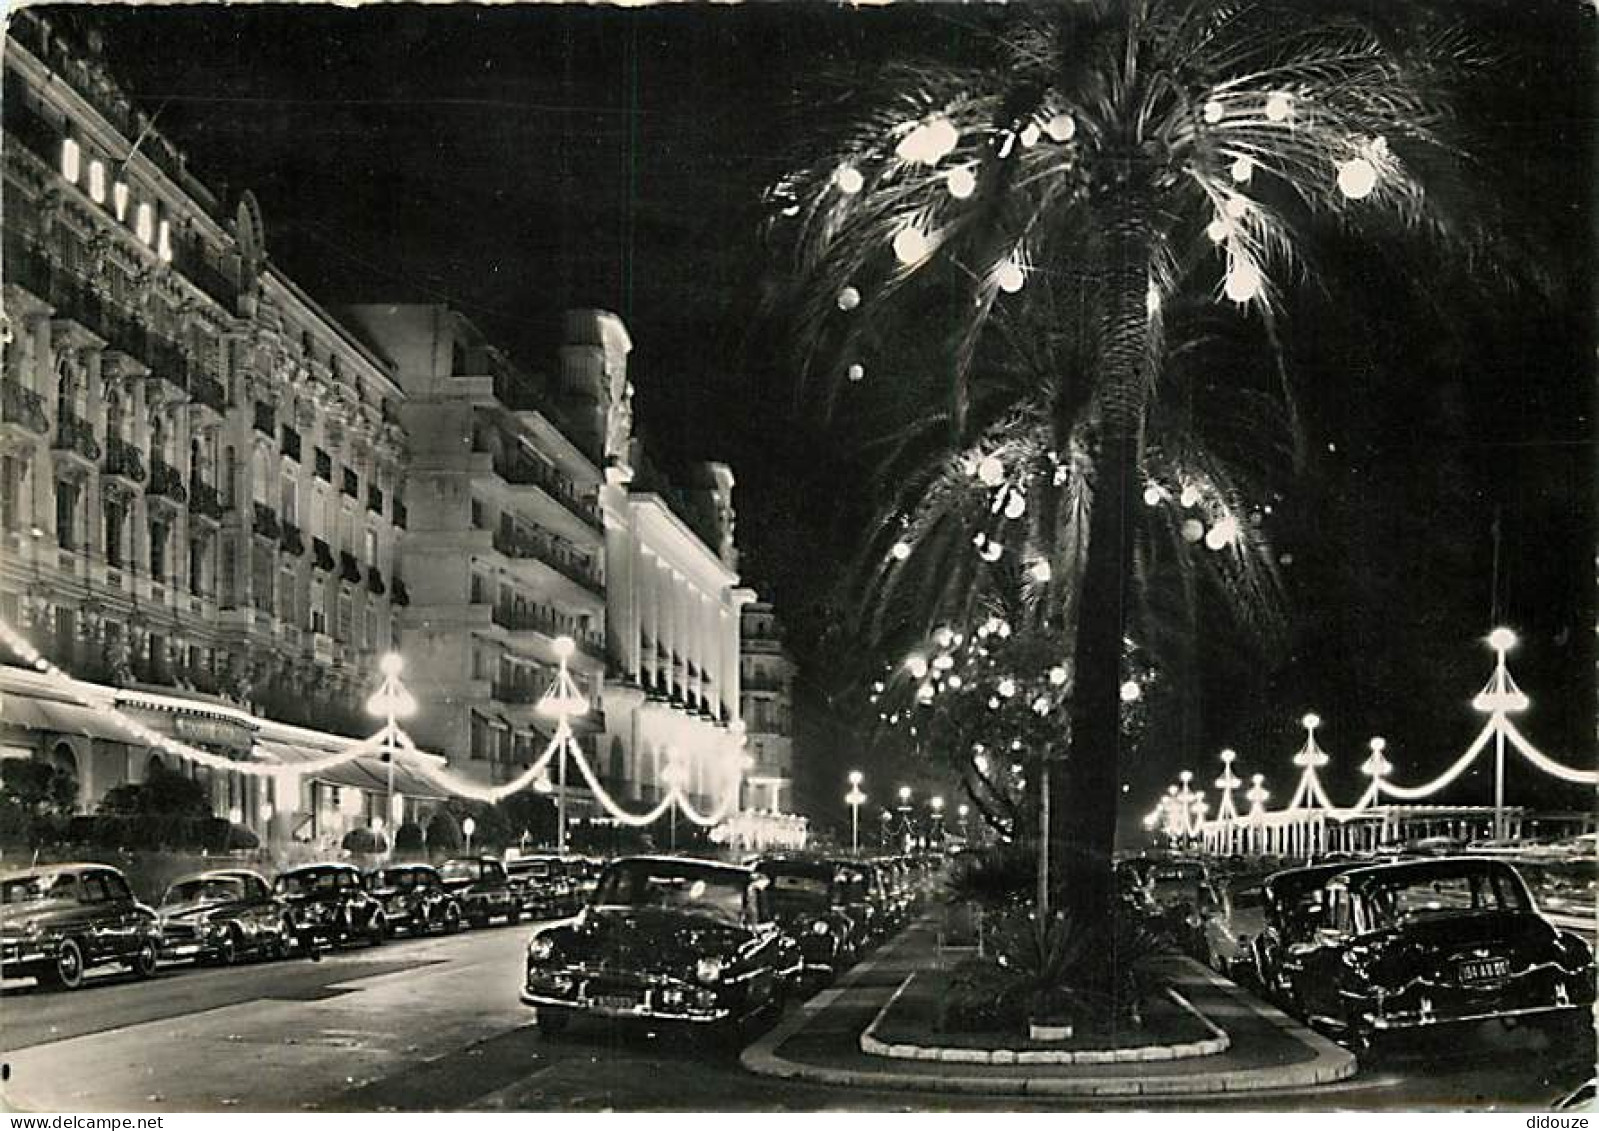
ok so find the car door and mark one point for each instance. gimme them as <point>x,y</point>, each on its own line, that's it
<point>105,932</point>
<point>132,919</point>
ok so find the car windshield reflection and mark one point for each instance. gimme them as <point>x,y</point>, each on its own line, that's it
<point>637,885</point>
<point>37,889</point>
<point>214,889</point>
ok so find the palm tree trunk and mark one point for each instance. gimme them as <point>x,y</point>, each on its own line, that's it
<point>1086,789</point>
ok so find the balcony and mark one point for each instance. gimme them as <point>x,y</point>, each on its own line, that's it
<point>374,582</point>
<point>24,407</point>
<point>523,545</point>
<point>266,522</point>
<point>321,555</point>
<point>532,473</point>
<point>207,392</point>
<point>521,694</point>
<point>75,436</point>
<point>204,500</point>
<point>123,460</point>
<point>166,481</point>
<point>292,541</point>
<point>349,568</point>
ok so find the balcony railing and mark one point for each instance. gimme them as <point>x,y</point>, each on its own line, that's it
<point>514,543</point>
<point>166,481</point>
<point>204,500</point>
<point>349,568</point>
<point>529,472</point>
<point>522,693</point>
<point>293,541</point>
<point>24,406</point>
<point>322,555</point>
<point>266,522</point>
<point>207,390</point>
<point>123,459</point>
<point>75,434</point>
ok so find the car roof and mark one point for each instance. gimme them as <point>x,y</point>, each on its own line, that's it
<point>57,869</point>
<point>693,861</point>
<point>325,866</point>
<point>218,873</point>
<point>1422,869</point>
<point>1303,879</point>
<point>792,867</point>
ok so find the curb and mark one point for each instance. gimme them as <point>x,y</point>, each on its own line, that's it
<point>1329,1064</point>
<point>1217,1042</point>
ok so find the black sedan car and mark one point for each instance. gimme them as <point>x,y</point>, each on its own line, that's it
<point>665,939</point>
<point>1433,942</point>
<point>483,888</point>
<point>807,897</point>
<point>415,899</point>
<point>221,916</point>
<point>328,903</point>
<point>59,921</point>
<point>1292,908</point>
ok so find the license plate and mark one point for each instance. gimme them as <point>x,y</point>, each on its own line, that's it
<point>615,1001</point>
<point>1484,969</point>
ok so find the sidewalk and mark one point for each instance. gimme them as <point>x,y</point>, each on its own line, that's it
<point>821,1043</point>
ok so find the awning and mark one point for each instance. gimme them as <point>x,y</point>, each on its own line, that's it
<point>369,772</point>
<point>62,718</point>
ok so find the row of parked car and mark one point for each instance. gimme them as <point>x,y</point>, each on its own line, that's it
<point>1358,947</point>
<point>59,921</point>
<point>714,945</point>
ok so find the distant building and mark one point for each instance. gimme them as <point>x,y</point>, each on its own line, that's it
<point>768,697</point>
<point>505,548</point>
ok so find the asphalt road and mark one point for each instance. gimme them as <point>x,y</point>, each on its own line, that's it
<point>434,1024</point>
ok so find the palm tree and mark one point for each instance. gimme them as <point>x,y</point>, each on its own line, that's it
<point>1115,156</point>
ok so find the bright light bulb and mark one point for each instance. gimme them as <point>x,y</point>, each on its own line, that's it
<point>929,143</point>
<point>1006,687</point>
<point>1131,691</point>
<point>911,245</point>
<point>1193,530</point>
<point>961,182</point>
<point>1152,495</point>
<point>1310,721</point>
<point>991,471</point>
<point>1236,207</point>
<point>1501,640</point>
<point>1378,745</point>
<point>391,664</point>
<point>900,551</point>
<point>1057,675</point>
<point>1009,276</point>
<point>1218,230</point>
<point>849,298</point>
<point>925,693</point>
<point>1212,112</point>
<point>1242,170</point>
<point>1357,178</point>
<point>1062,127</point>
<point>1152,300</point>
<point>1040,571</point>
<point>1030,135</point>
<point>563,647</point>
<point>917,666</point>
<point>1190,496</point>
<point>1016,505</point>
<point>849,180</point>
<point>1214,539</point>
<point>1243,280</point>
<point>991,552</point>
<point>1279,106</point>
<point>954,682</point>
<point>856,372</point>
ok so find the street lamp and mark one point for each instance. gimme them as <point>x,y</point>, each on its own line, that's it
<point>469,826</point>
<point>1499,698</point>
<point>855,799</point>
<point>391,702</point>
<point>675,776</point>
<point>563,702</point>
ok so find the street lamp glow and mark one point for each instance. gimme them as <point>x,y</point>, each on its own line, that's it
<point>917,666</point>
<point>1501,640</point>
<point>391,664</point>
<point>1378,745</point>
<point>904,793</point>
<point>1310,721</point>
<point>938,804</point>
<point>1131,692</point>
<point>849,180</point>
<point>564,646</point>
<point>856,777</point>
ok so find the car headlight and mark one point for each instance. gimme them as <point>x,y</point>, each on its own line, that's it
<point>708,969</point>
<point>540,948</point>
<point>819,927</point>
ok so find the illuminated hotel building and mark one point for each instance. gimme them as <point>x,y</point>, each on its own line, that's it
<point>200,470</point>
<point>768,695</point>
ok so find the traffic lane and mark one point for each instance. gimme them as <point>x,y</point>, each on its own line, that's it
<point>279,1036</point>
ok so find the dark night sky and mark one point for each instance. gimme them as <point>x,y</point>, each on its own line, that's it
<point>519,161</point>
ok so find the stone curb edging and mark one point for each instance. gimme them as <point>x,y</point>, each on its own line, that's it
<point>1217,1042</point>
<point>1329,1064</point>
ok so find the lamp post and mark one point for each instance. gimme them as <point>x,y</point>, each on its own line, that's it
<point>469,826</point>
<point>673,775</point>
<point>1499,698</point>
<point>391,702</point>
<point>1257,797</point>
<point>905,813</point>
<point>937,823</point>
<point>855,799</point>
<point>563,702</point>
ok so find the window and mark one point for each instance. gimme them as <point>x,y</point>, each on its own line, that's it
<point>71,160</point>
<point>144,223</point>
<point>10,492</point>
<point>197,577</point>
<point>346,617</point>
<point>371,547</point>
<point>158,551</point>
<point>261,476</point>
<point>369,629</point>
<point>352,483</point>
<point>229,576</point>
<point>477,514</point>
<point>324,466</point>
<point>230,476</point>
<point>115,513</point>
<point>319,606</point>
<point>97,181</point>
<point>286,611</point>
<point>321,523</point>
<point>163,241</point>
<point>66,514</point>
<point>119,199</point>
<point>95,889</point>
<point>290,510</point>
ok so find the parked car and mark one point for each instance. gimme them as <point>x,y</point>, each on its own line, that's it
<point>806,898</point>
<point>328,903</point>
<point>1431,942</point>
<point>887,915</point>
<point>483,888</point>
<point>414,899</point>
<point>59,921</point>
<point>221,916</point>
<point>1291,911</point>
<point>855,893</point>
<point>1230,928</point>
<point>1178,897</point>
<point>664,939</point>
<point>542,886</point>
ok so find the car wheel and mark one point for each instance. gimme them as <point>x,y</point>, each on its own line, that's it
<point>553,1020</point>
<point>228,948</point>
<point>144,959</point>
<point>67,971</point>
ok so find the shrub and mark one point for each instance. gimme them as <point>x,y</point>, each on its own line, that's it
<point>444,832</point>
<point>1002,875</point>
<point>408,837</point>
<point>364,840</point>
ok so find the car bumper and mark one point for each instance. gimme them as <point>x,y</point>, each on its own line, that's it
<point>1397,1022</point>
<point>185,950</point>
<point>22,959</point>
<point>646,1009</point>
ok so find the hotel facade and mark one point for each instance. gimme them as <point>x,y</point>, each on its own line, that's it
<point>221,503</point>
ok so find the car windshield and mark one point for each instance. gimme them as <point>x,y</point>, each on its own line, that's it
<point>791,892</point>
<point>537,869</point>
<point>402,878</point>
<point>206,889</point>
<point>304,883</point>
<point>459,870</point>
<point>1402,900</point>
<point>713,892</point>
<point>36,889</point>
